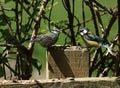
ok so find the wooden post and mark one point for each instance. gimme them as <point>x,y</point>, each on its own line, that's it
<point>65,62</point>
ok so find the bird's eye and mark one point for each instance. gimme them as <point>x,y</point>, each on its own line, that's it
<point>81,30</point>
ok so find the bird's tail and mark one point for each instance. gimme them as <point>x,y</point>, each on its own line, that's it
<point>110,50</point>
<point>107,46</point>
<point>34,40</point>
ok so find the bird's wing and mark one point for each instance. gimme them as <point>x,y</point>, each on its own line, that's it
<point>41,37</point>
<point>48,40</point>
<point>97,39</point>
<point>100,40</point>
<point>37,39</point>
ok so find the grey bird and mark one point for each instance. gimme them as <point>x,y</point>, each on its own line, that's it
<point>48,39</point>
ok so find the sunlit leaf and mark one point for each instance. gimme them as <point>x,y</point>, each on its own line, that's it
<point>56,3</point>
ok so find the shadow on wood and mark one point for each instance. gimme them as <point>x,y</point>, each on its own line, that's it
<point>62,63</point>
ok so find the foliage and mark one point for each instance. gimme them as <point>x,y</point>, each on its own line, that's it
<point>24,18</point>
<point>15,33</point>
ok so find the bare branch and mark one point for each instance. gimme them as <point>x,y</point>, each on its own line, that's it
<point>93,15</point>
<point>34,34</point>
<point>5,18</point>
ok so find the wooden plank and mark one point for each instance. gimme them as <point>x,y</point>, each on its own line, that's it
<point>94,82</point>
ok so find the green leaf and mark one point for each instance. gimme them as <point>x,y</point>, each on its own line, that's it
<point>9,19</point>
<point>23,66</point>
<point>6,1</point>
<point>8,37</point>
<point>2,1</point>
<point>1,71</point>
<point>36,63</point>
<point>2,21</point>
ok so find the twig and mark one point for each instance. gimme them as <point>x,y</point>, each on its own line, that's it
<point>103,7</point>
<point>17,21</point>
<point>118,57</point>
<point>27,11</point>
<point>5,18</point>
<point>34,34</point>
<point>119,26</point>
<point>93,15</point>
<point>83,13</point>
<point>91,19</point>
<point>63,30</point>
<point>106,69</point>
<point>66,4</point>
<point>93,60</point>
<point>50,14</point>
<point>107,31</point>
<point>99,18</point>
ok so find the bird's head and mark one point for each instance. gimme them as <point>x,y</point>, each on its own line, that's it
<point>84,31</point>
<point>55,31</point>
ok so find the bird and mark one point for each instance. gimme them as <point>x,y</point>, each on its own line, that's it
<point>92,40</point>
<point>48,39</point>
